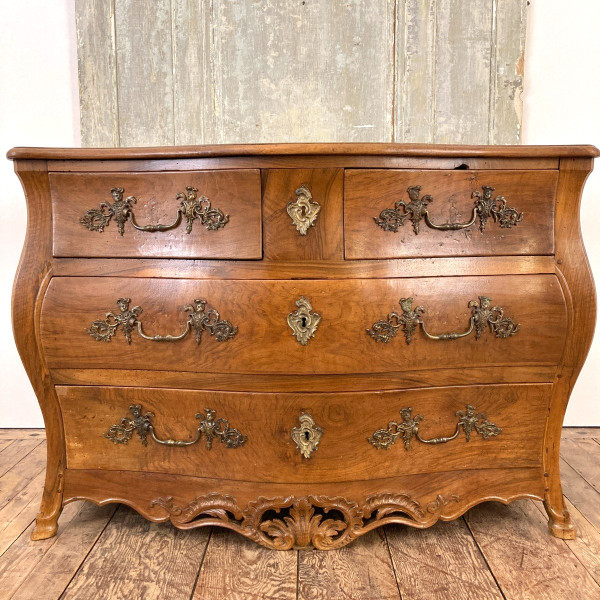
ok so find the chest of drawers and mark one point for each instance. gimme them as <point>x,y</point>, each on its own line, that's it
<point>303,342</point>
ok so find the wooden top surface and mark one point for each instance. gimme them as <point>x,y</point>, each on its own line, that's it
<point>409,150</point>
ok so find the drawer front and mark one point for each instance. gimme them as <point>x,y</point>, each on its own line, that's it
<point>475,221</point>
<point>343,436</point>
<point>303,216</point>
<point>266,327</point>
<point>93,215</point>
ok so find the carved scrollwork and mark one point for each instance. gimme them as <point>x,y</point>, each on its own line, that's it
<point>209,428</point>
<point>303,322</point>
<point>191,208</point>
<point>284,523</point>
<point>199,320</point>
<point>416,210</point>
<point>408,428</point>
<point>303,211</point>
<point>483,317</point>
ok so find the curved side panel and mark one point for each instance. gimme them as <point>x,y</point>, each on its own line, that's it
<point>32,279</point>
<point>573,271</point>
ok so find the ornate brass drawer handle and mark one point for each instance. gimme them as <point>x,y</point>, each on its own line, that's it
<point>307,435</point>
<point>391,219</point>
<point>303,212</point>
<point>468,421</point>
<point>192,208</point>
<point>199,320</point>
<point>142,424</point>
<point>483,317</point>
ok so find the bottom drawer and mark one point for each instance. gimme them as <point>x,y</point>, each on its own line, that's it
<point>295,438</point>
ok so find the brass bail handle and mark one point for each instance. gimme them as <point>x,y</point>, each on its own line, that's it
<point>486,206</point>
<point>209,428</point>
<point>191,207</point>
<point>200,319</point>
<point>484,317</point>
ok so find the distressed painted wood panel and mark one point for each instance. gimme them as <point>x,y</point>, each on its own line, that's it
<point>462,71</point>
<point>303,71</point>
<point>144,72</point>
<point>95,25</point>
<point>217,71</point>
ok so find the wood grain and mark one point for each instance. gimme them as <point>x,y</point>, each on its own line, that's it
<point>332,269</point>
<point>235,193</point>
<point>461,77</point>
<point>439,563</point>
<point>270,59</point>
<point>362,572</point>
<point>507,65</point>
<point>128,550</point>
<point>573,270</point>
<point>324,240</point>
<point>347,421</point>
<point>29,568</point>
<point>342,150</point>
<point>264,342</point>
<point>194,109</point>
<point>16,451</point>
<point>97,70</point>
<point>527,563</point>
<point>144,57</point>
<point>236,569</point>
<point>581,493</point>
<point>367,193</point>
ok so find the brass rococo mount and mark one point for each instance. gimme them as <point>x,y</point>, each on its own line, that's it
<point>483,317</point>
<point>200,319</point>
<point>486,206</point>
<point>191,208</point>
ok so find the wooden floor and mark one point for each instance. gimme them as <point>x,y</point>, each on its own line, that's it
<point>495,551</point>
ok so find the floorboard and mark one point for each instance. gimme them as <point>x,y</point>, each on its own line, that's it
<point>496,552</point>
<point>361,571</point>
<point>238,569</point>
<point>134,558</point>
<point>439,563</point>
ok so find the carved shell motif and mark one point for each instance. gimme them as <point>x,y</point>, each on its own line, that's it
<point>284,523</point>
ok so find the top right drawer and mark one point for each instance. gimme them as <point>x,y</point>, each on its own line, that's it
<point>392,213</point>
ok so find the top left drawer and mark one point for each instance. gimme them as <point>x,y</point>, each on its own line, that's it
<point>192,214</point>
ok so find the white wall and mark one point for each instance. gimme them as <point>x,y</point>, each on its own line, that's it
<point>38,107</point>
<point>562,106</point>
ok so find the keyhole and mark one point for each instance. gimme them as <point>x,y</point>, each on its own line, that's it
<point>306,436</point>
<point>304,321</point>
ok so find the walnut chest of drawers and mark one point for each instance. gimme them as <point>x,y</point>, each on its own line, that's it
<point>303,342</point>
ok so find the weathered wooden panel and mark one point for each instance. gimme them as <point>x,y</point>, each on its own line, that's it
<point>415,69</point>
<point>506,106</point>
<point>95,24</point>
<point>193,77</point>
<point>144,72</point>
<point>462,71</point>
<point>192,72</point>
<point>304,71</point>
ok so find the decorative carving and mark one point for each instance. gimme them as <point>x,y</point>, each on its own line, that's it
<point>199,320</point>
<point>483,317</point>
<point>209,428</point>
<point>191,207</point>
<point>307,435</point>
<point>284,523</point>
<point>303,322</point>
<point>408,428</point>
<point>303,211</point>
<point>391,219</point>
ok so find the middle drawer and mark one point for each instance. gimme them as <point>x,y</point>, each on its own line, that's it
<point>303,327</point>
